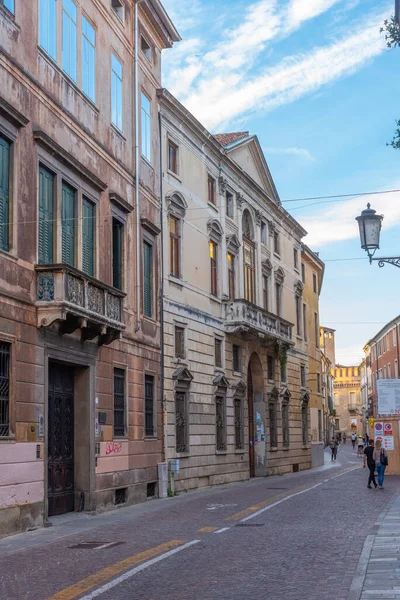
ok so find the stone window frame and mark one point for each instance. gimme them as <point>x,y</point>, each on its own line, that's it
<point>239,394</point>
<point>305,421</point>
<point>215,235</point>
<point>279,279</point>
<point>240,359</point>
<point>150,234</point>
<point>11,340</point>
<point>183,378</point>
<point>173,141</point>
<point>154,375</point>
<point>124,368</point>
<point>176,207</point>
<point>233,248</point>
<point>184,326</point>
<point>285,416</point>
<point>273,401</point>
<point>221,339</point>
<point>220,397</point>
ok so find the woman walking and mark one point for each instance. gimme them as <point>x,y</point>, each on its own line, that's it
<point>381,462</point>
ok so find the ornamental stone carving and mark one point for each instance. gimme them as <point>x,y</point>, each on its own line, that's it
<point>45,287</point>
<point>222,184</point>
<point>95,299</point>
<point>113,307</point>
<point>75,293</point>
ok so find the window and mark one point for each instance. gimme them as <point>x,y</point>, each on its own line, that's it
<point>88,233</point>
<point>231,276</point>
<point>303,273</point>
<point>4,194</point>
<point>146,128</point>
<point>213,268</point>
<point>229,205</point>
<point>118,8</point>
<point>305,322</point>
<point>236,358</point>
<point>211,189</point>
<point>296,258</point>
<point>119,402</point>
<point>318,383</point>
<point>314,280</point>
<point>175,243</point>
<point>88,59</point>
<point>220,422</point>
<point>218,352</point>
<point>69,20</point>
<point>384,372</point>
<point>283,372</point>
<point>303,376</point>
<point>394,337</point>
<point>389,371</point>
<point>181,422</point>
<point>147,279</point>
<point>271,368</point>
<point>278,298</point>
<point>172,157</point>
<point>316,330</point>
<point>337,424</point>
<point>179,342</point>
<point>285,424</point>
<point>238,415</point>
<point>304,422</point>
<point>396,369</point>
<point>9,4</point>
<point>265,291</point>
<point>273,433</point>
<point>352,401</point>
<point>249,272</point>
<point>68,218</point>
<point>4,389</point>
<point>298,314</point>
<point>116,92</point>
<point>146,50</point>
<point>117,249</point>
<point>276,243</point>
<point>320,432</point>
<point>149,405</point>
<point>48,27</point>
<point>263,233</point>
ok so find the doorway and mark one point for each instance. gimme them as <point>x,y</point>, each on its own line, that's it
<point>256,417</point>
<point>250,401</point>
<point>60,439</point>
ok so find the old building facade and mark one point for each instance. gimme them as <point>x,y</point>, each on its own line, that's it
<point>80,427</point>
<point>237,400</point>
<point>347,400</point>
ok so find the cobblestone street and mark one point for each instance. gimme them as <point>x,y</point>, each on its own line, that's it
<point>307,535</point>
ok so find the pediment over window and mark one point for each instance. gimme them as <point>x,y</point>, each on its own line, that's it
<point>305,397</point>
<point>298,288</point>
<point>214,228</point>
<point>182,374</point>
<point>176,205</point>
<point>221,381</point>
<point>232,244</point>
<point>279,275</point>
<point>239,389</point>
<point>285,395</point>
<point>266,267</point>
<point>273,394</point>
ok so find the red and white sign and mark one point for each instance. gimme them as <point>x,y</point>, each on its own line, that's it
<point>378,430</point>
<point>388,429</point>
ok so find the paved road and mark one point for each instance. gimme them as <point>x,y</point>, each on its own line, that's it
<point>280,538</point>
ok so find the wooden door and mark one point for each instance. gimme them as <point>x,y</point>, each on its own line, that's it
<point>61,439</point>
<point>250,400</point>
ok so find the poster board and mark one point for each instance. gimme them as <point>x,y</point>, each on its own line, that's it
<point>388,396</point>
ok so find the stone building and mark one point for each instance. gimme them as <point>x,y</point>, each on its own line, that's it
<point>80,427</point>
<point>236,364</point>
<point>347,400</point>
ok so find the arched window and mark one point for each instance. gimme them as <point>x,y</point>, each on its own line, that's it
<point>249,263</point>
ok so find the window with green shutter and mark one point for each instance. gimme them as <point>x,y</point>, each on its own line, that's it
<point>147,279</point>
<point>46,217</point>
<point>4,193</point>
<point>88,233</point>
<point>68,224</point>
<point>117,242</point>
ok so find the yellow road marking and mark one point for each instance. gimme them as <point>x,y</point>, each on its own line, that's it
<point>247,511</point>
<point>105,574</point>
<point>207,529</point>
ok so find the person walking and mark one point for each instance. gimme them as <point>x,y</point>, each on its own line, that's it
<point>370,462</point>
<point>344,438</point>
<point>360,446</point>
<point>381,462</point>
<point>353,440</point>
<point>334,448</point>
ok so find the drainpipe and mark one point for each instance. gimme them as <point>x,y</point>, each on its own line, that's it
<point>137,163</point>
<point>162,372</point>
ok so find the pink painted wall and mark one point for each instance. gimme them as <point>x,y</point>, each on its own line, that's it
<point>21,474</point>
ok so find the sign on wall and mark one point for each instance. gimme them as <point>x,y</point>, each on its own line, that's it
<point>388,396</point>
<point>378,431</point>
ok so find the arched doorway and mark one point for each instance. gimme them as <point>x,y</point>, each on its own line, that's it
<point>256,416</point>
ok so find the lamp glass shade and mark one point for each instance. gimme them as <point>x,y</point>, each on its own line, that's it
<point>369,224</point>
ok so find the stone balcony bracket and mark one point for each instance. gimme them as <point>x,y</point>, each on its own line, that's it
<point>253,322</point>
<point>73,300</point>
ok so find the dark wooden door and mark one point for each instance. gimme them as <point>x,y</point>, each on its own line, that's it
<point>250,399</point>
<point>61,439</point>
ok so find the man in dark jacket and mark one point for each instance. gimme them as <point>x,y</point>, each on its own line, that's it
<point>369,461</point>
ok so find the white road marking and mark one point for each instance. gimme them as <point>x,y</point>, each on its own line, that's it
<point>259,512</point>
<point>131,572</point>
<point>222,530</point>
<point>104,546</point>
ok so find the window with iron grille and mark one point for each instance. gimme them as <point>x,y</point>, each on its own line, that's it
<point>285,424</point>
<point>237,358</point>
<point>304,423</point>
<point>220,422</point>
<point>149,405</point>
<point>181,422</point>
<point>4,389</point>
<point>273,434</point>
<point>119,402</point>
<point>179,342</point>
<point>239,437</point>
<point>271,368</point>
<point>218,352</point>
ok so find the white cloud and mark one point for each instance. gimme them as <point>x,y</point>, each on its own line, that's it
<point>293,151</point>
<point>303,10</point>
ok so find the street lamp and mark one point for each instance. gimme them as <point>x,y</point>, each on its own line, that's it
<point>370,225</point>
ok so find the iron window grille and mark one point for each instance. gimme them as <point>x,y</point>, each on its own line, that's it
<point>285,424</point>
<point>4,389</point>
<point>304,423</point>
<point>149,405</point>
<point>271,368</point>
<point>220,423</point>
<point>218,353</point>
<point>239,437</point>
<point>237,358</point>
<point>181,422</point>
<point>119,402</point>
<point>273,433</point>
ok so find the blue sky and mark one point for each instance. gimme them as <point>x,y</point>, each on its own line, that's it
<point>314,80</point>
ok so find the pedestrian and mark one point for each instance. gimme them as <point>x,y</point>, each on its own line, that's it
<point>353,440</point>
<point>334,448</point>
<point>370,462</point>
<point>381,462</point>
<point>367,437</point>
<point>344,438</point>
<point>360,444</point>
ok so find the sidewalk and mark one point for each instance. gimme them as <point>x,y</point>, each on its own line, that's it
<point>378,572</point>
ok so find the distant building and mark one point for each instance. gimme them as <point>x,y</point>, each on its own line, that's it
<point>347,399</point>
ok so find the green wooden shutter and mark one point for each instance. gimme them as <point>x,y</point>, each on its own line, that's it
<point>4,193</point>
<point>88,229</point>
<point>68,224</point>
<point>117,233</point>
<point>147,278</point>
<point>46,213</point>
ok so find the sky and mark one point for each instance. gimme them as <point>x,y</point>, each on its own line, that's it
<point>314,80</point>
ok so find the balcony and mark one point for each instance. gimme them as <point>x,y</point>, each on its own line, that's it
<point>251,321</point>
<point>73,300</point>
<point>354,408</point>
